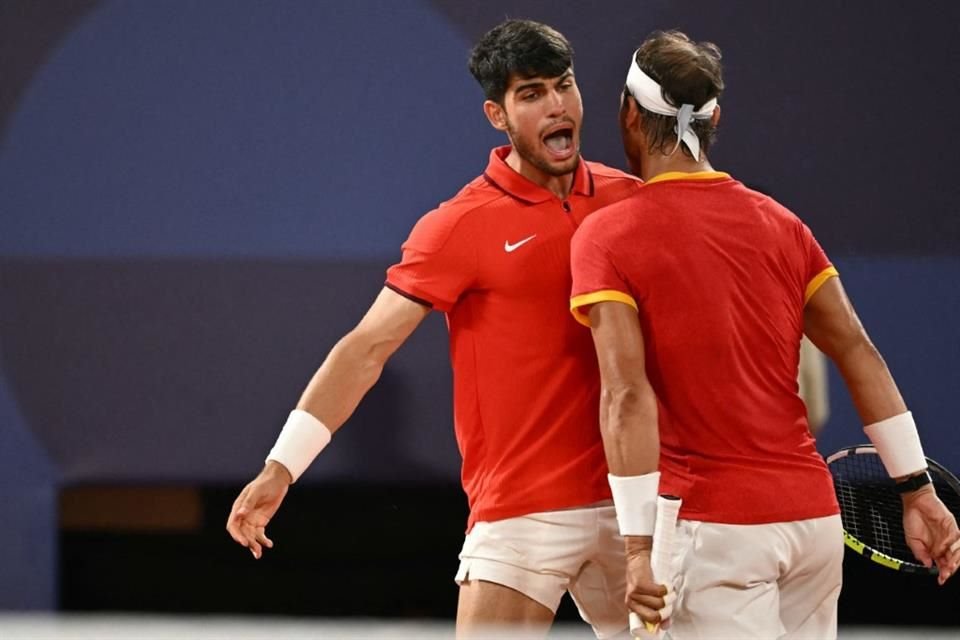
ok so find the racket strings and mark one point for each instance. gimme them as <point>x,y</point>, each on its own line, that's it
<point>870,507</point>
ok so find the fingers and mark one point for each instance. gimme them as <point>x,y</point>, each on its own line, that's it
<point>246,527</point>
<point>646,614</point>
<point>939,545</point>
<point>918,538</point>
<point>667,610</point>
<point>243,533</point>
<point>645,620</point>
<point>652,609</point>
<point>945,543</point>
<point>263,539</point>
<point>919,550</point>
<point>646,589</point>
<point>949,562</point>
<point>255,539</point>
<point>235,522</point>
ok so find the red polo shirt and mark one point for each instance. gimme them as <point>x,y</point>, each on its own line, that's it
<point>719,275</point>
<point>496,260</point>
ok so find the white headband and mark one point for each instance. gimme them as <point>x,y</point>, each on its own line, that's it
<point>650,96</point>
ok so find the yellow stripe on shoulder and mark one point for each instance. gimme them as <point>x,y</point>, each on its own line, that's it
<point>587,299</point>
<point>817,282</point>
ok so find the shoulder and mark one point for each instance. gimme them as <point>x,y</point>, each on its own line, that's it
<point>768,206</point>
<point>611,185</point>
<point>600,170</point>
<point>789,227</point>
<point>608,222</point>
<point>438,227</point>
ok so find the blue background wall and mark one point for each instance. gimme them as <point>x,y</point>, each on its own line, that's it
<point>198,198</point>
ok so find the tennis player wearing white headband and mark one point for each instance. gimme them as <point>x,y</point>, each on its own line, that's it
<point>698,291</point>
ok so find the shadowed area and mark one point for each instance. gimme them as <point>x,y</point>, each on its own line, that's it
<point>29,31</point>
<point>175,370</point>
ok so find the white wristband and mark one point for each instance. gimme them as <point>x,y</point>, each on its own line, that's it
<point>635,499</point>
<point>303,437</point>
<point>898,444</point>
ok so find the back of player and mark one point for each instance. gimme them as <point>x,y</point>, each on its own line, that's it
<point>721,274</point>
<point>695,290</point>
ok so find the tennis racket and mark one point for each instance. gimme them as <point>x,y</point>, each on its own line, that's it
<point>872,511</point>
<point>661,558</point>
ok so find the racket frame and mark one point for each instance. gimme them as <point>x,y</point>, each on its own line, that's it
<point>866,550</point>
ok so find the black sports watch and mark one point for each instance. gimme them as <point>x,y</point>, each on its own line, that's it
<point>914,483</point>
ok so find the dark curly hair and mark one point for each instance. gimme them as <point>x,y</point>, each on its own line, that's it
<point>521,48</point>
<point>688,73</point>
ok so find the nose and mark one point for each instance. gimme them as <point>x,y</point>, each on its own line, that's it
<point>557,106</point>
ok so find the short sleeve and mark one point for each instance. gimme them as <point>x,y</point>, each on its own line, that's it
<point>438,263</point>
<point>595,278</point>
<point>819,267</point>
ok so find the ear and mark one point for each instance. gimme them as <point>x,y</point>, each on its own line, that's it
<point>715,118</point>
<point>630,111</point>
<point>496,114</point>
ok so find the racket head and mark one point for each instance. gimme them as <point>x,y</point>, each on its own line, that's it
<point>872,511</point>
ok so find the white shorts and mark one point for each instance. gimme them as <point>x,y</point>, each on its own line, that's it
<point>542,555</point>
<point>778,580</point>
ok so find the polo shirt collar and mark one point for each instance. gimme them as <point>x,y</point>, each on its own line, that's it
<point>684,175</point>
<point>499,173</point>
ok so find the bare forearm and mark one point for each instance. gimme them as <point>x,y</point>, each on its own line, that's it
<point>872,388</point>
<point>349,371</point>
<point>628,423</point>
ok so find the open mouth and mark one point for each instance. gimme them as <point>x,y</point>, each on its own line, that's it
<point>559,141</point>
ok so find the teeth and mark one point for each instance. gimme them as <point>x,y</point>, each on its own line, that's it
<point>559,142</point>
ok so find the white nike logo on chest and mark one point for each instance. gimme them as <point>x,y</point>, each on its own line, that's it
<point>509,248</point>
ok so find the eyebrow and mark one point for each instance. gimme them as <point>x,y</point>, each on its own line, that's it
<point>536,84</point>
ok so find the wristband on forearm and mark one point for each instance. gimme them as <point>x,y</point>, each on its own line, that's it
<point>898,444</point>
<point>302,438</point>
<point>635,499</point>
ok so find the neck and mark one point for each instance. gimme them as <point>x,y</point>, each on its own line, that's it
<point>653,164</point>
<point>559,186</point>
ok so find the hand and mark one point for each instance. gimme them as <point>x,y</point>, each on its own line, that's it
<point>255,505</point>
<point>931,531</point>
<point>645,597</point>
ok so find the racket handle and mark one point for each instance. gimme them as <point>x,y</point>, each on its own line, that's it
<point>638,626</point>
<point>664,530</point>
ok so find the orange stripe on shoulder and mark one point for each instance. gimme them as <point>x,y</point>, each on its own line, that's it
<point>606,295</point>
<point>817,282</point>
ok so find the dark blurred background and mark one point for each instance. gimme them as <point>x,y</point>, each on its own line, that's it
<point>198,198</point>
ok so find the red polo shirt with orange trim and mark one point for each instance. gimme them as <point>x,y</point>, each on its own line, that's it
<point>496,260</point>
<point>719,275</point>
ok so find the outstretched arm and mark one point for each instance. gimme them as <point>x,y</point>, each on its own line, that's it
<point>349,371</point>
<point>833,326</point>
<point>356,361</point>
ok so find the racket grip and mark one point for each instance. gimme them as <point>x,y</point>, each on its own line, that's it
<point>641,629</point>
<point>661,557</point>
<point>638,626</point>
<point>664,532</point>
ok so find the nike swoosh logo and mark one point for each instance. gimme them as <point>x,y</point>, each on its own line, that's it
<point>509,248</point>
